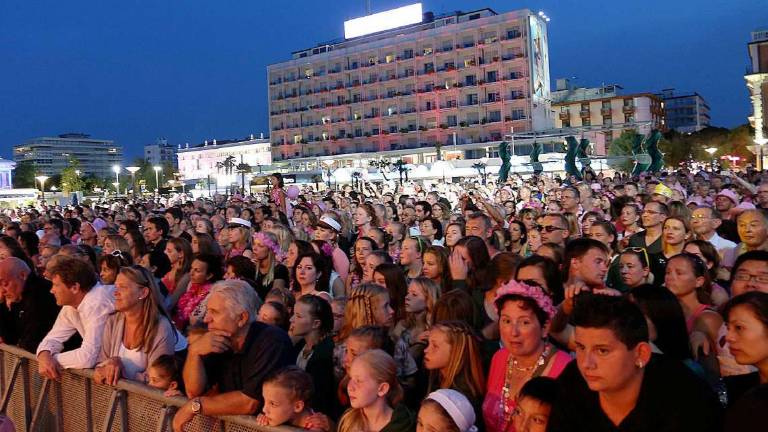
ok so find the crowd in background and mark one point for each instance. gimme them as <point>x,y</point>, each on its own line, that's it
<point>614,303</point>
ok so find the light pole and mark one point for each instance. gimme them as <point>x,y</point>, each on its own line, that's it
<point>328,164</point>
<point>157,181</point>
<point>711,151</point>
<point>116,169</point>
<point>132,170</point>
<point>42,179</point>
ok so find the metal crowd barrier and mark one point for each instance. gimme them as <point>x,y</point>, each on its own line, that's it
<point>77,404</point>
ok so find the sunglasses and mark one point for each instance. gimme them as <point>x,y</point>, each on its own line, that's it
<point>639,250</point>
<point>549,228</point>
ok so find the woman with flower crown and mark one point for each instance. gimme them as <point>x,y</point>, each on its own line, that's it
<point>524,315</point>
<point>267,255</point>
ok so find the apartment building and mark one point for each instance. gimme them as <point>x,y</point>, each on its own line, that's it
<point>602,113</point>
<point>462,79</point>
<point>160,153</point>
<point>50,155</point>
<point>757,83</point>
<point>685,112</point>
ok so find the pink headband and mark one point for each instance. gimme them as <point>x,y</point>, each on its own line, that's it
<point>271,244</point>
<point>534,293</point>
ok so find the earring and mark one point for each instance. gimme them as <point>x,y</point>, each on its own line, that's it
<point>640,364</point>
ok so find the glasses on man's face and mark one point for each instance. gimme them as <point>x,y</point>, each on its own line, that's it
<point>746,277</point>
<point>549,228</point>
<point>651,212</point>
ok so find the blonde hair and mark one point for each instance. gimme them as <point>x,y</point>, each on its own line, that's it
<point>383,369</point>
<point>273,261</point>
<point>431,291</point>
<point>283,235</point>
<point>152,309</point>
<point>465,369</point>
<point>358,311</point>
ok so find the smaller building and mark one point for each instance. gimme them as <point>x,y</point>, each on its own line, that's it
<point>6,173</point>
<point>161,153</point>
<point>601,114</point>
<point>217,160</point>
<point>685,113</point>
<point>50,155</point>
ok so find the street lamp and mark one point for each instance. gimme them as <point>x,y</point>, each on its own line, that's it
<point>116,169</point>
<point>157,181</point>
<point>42,179</point>
<point>132,170</point>
<point>328,164</point>
<point>711,151</point>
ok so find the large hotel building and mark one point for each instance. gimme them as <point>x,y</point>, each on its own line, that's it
<point>459,81</point>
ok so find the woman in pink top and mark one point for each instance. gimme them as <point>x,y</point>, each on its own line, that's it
<point>524,315</point>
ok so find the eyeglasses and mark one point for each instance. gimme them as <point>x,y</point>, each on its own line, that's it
<point>746,277</point>
<point>652,212</point>
<point>549,228</point>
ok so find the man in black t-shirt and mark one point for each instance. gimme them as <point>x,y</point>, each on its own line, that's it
<point>234,356</point>
<point>27,309</point>
<point>616,384</point>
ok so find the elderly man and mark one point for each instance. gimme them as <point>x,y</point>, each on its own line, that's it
<point>28,309</point>
<point>753,232</point>
<point>235,355</point>
<point>705,221</point>
<point>85,308</point>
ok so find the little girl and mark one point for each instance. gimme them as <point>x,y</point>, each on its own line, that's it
<point>165,374</point>
<point>446,410</point>
<point>375,396</point>
<point>287,401</point>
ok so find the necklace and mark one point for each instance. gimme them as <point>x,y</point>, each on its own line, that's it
<point>539,362</point>
<point>507,398</point>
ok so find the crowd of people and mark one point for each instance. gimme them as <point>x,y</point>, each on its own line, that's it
<point>617,303</point>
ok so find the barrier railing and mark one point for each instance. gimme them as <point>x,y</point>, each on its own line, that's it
<point>77,404</point>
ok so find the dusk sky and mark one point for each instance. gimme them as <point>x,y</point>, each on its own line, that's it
<point>195,70</point>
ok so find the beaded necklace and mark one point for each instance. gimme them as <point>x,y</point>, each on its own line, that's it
<point>512,364</point>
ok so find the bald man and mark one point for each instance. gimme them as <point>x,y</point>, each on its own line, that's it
<point>27,307</point>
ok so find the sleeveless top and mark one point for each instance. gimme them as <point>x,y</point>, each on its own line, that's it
<point>690,321</point>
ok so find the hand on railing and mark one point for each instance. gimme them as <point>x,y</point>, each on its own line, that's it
<point>48,367</point>
<point>109,371</point>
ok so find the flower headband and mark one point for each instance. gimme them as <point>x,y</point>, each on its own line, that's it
<point>269,243</point>
<point>534,293</point>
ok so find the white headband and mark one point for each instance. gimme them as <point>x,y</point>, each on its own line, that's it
<point>331,223</point>
<point>457,406</point>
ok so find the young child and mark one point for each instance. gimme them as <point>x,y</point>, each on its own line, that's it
<point>287,398</point>
<point>375,396</point>
<point>446,410</point>
<point>534,404</point>
<point>165,374</point>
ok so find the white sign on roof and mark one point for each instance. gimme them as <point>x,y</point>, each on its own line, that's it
<point>381,21</point>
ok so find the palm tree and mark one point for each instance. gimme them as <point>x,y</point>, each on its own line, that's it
<point>243,168</point>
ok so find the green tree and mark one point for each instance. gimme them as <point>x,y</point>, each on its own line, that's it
<point>621,150</point>
<point>24,175</point>
<point>70,178</point>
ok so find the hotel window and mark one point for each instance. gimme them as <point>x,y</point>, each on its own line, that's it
<point>586,121</point>
<point>408,54</point>
<point>451,120</point>
<point>296,139</point>
<point>389,58</point>
<point>427,51</point>
<point>372,60</point>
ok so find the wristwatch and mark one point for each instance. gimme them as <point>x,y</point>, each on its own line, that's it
<point>197,406</point>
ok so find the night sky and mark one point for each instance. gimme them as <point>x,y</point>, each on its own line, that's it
<point>194,70</point>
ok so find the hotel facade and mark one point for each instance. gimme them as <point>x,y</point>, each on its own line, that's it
<point>459,81</point>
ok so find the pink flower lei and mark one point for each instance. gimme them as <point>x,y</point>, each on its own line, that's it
<point>327,249</point>
<point>270,244</point>
<point>534,293</point>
